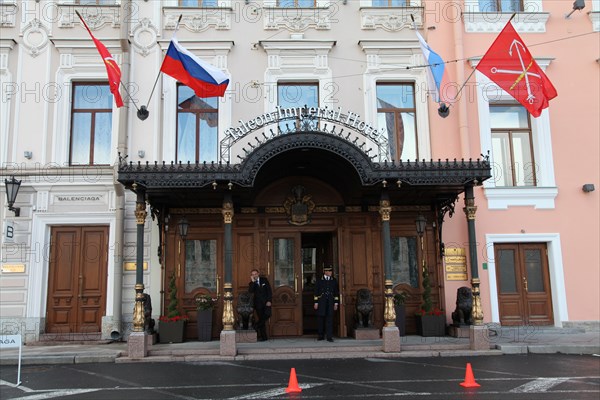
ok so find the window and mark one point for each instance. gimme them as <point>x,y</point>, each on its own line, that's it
<point>296,3</point>
<point>297,96</point>
<point>390,3</point>
<point>91,124</point>
<point>512,146</point>
<point>396,114</point>
<point>200,265</point>
<point>404,261</point>
<point>198,3</point>
<point>197,126</point>
<point>97,2</point>
<point>500,5</point>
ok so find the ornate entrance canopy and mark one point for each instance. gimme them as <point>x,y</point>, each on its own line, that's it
<point>327,157</point>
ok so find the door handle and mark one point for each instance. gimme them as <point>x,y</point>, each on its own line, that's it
<point>525,284</point>
<point>80,289</point>
<point>218,279</point>
<point>296,284</point>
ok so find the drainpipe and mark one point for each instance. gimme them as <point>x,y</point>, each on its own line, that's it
<point>465,144</point>
<point>117,327</point>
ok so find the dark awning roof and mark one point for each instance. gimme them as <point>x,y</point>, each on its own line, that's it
<point>338,163</point>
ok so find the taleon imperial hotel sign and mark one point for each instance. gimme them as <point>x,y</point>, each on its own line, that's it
<point>305,119</point>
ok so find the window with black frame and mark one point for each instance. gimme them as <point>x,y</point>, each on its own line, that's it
<point>396,114</point>
<point>500,5</point>
<point>91,124</point>
<point>197,126</point>
<point>390,3</point>
<point>198,3</point>
<point>296,3</point>
<point>512,147</point>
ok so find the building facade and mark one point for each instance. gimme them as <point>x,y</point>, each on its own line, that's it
<point>325,150</point>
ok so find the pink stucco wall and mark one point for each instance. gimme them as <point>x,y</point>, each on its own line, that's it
<point>575,132</point>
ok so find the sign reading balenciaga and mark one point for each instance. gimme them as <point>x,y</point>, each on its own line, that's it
<point>307,119</point>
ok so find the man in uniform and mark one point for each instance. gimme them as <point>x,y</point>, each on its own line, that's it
<point>327,299</point>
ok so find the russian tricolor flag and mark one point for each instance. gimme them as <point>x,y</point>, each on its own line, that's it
<point>204,79</point>
<point>437,75</point>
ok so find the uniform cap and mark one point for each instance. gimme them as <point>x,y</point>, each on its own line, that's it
<point>328,269</point>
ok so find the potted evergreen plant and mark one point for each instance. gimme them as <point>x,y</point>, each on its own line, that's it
<point>171,327</point>
<point>400,309</point>
<point>430,321</point>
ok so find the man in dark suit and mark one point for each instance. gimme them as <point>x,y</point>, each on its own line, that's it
<point>327,299</point>
<point>261,289</point>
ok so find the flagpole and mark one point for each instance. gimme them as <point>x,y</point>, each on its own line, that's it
<point>474,69</point>
<point>143,112</point>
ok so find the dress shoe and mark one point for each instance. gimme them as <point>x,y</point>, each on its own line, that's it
<point>262,339</point>
<point>329,339</point>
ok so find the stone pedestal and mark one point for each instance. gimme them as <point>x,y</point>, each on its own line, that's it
<point>228,345</point>
<point>479,337</point>
<point>459,331</point>
<point>391,339</point>
<point>366,334</point>
<point>137,344</point>
<point>245,336</point>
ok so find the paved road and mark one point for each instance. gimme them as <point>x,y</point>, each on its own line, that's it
<point>515,377</point>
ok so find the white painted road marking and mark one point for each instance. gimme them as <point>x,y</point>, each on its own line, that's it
<point>539,385</point>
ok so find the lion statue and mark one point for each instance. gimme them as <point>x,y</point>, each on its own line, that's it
<point>364,307</point>
<point>148,320</point>
<point>245,309</point>
<point>464,306</point>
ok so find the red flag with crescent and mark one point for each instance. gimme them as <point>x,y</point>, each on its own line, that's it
<point>112,68</point>
<point>511,66</point>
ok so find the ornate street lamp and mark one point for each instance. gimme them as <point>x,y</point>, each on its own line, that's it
<point>421,222</point>
<point>12,189</point>
<point>183,226</point>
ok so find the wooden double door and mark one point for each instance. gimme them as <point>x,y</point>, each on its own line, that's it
<point>295,263</point>
<point>524,294</point>
<point>77,279</point>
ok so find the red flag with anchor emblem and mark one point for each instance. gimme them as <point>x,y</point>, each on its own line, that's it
<point>511,66</point>
<point>112,68</point>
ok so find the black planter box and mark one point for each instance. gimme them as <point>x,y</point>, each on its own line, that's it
<point>401,318</point>
<point>431,325</point>
<point>171,332</point>
<point>204,325</point>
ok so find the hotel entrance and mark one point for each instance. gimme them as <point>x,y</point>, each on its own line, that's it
<point>296,262</point>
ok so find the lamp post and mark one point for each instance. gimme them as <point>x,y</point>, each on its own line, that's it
<point>12,189</point>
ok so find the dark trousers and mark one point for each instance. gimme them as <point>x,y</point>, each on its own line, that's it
<point>325,321</point>
<point>260,326</point>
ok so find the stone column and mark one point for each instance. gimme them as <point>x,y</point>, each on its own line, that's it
<point>390,333</point>
<point>478,333</point>
<point>138,341</point>
<point>228,341</point>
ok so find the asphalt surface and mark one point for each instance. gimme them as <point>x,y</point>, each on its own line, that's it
<point>521,340</point>
<point>532,376</point>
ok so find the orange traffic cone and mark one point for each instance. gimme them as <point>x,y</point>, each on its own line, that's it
<point>469,378</point>
<point>293,385</point>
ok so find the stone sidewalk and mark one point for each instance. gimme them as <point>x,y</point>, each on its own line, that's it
<point>503,340</point>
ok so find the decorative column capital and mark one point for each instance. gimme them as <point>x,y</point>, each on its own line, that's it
<point>140,213</point>
<point>385,210</point>
<point>470,208</point>
<point>227,212</point>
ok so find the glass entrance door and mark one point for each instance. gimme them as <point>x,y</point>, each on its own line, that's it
<point>285,272</point>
